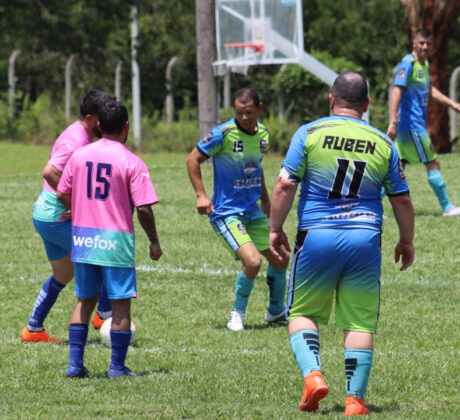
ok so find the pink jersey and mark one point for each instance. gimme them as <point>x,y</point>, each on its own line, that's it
<point>106,181</point>
<point>47,208</point>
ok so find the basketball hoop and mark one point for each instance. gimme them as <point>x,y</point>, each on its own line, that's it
<point>236,51</point>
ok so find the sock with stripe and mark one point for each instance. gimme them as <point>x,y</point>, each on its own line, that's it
<point>45,301</point>
<point>305,346</point>
<point>358,363</point>
<point>243,289</point>
<point>439,187</point>
<point>276,281</point>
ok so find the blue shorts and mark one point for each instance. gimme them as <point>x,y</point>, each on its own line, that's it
<point>344,262</point>
<point>56,236</point>
<point>120,282</point>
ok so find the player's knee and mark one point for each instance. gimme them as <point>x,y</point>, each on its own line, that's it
<point>252,263</point>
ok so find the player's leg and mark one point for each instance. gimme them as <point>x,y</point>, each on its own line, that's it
<point>436,181</point>
<point>103,311</point>
<point>237,240</point>
<point>56,238</point>
<point>312,284</point>
<point>357,310</point>
<point>88,283</point>
<point>120,284</point>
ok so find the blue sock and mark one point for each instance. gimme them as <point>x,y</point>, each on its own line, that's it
<point>104,308</point>
<point>243,289</point>
<point>439,187</point>
<point>358,365</point>
<point>305,346</point>
<point>120,342</point>
<point>77,339</point>
<point>45,301</point>
<point>276,280</point>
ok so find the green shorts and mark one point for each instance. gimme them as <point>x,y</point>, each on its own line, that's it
<point>414,147</point>
<point>237,229</point>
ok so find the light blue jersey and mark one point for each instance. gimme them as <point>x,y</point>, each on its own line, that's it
<point>343,163</point>
<point>237,158</point>
<point>414,77</point>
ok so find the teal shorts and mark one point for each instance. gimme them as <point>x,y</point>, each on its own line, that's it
<point>415,147</point>
<point>237,229</point>
<point>344,263</point>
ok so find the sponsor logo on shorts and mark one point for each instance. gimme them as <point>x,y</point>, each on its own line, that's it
<point>241,228</point>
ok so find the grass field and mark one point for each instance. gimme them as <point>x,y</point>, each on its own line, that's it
<point>190,366</point>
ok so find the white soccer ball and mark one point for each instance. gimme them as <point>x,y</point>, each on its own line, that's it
<point>105,332</point>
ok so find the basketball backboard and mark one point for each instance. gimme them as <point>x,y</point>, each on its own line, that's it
<point>251,32</point>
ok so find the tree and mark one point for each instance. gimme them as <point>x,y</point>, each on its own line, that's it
<point>437,16</point>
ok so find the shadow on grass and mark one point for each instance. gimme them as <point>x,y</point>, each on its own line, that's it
<point>103,375</point>
<point>338,408</point>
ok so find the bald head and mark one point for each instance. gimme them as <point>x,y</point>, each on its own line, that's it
<point>350,90</point>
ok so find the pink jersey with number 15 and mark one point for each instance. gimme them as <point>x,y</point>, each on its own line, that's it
<point>106,181</point>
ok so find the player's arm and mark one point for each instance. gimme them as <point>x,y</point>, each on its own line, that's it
<point>282,199</point>
<point>64,198</point>
<point>194,160</point>
<point>395,101</point>
<point>404,214</point>
<point>147,221</point>
<point>438,96</point>
<point>264,198</point>
<point>52,175</point>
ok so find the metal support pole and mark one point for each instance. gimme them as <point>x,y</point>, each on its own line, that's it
<point>453,96</point>
<point>136,81</point>
<point>227,89</point>
<point>68,87</point>
<point>170,97</point>
<point>118,80</point>
<point>12,82</point>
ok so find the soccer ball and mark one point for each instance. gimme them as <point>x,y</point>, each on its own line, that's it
<point>105,332</point>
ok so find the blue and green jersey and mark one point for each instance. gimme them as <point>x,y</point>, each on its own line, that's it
<point>342,163</point>
<point>237,158</point>
<point>414,77</point>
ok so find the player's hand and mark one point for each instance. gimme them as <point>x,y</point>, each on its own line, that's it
<point>155,251</point>
<point>456,107</point>
<point>66,214</point>
<point>392,131</point>
<point>405,253</point>
<point>204,205</point>
<point>279,245</point>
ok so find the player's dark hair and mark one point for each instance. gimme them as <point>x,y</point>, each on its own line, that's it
<point>350,89</point>
<point>112,117</point>
<point>92,101</point>
<point>247,94</point>
<point>423,32</point>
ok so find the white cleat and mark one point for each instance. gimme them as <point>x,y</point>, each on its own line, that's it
<point>275,318</point>
<point>453,211</point>
<point>235,323</point>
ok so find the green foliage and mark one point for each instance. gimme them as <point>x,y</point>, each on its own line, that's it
<point>190,366</point>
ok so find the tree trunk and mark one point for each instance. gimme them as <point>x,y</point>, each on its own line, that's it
<point>437,16</point>
<point>205,56</point>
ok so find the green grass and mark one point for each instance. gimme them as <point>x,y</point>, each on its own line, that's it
<point>189,365</point>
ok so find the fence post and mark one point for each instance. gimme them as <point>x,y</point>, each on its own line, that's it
<point>118,80</point>
<point>12,82</point>
<point>453,96</point>
<point>170,97</point>
<point>136,81</point>
<point>68,87</point>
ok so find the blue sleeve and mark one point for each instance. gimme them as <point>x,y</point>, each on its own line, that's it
<point>395,181</point>
<point>296,157</point>
<point>212,143</point>
<point>402,73</point>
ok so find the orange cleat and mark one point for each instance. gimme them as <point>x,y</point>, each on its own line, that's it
<point>37,336</point>
<point>315,390</point>
<point>354,406</point>
<point>97,321</point>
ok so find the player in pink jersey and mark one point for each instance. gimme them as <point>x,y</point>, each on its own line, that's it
<point>102,184</point>
<point>54,229</point>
